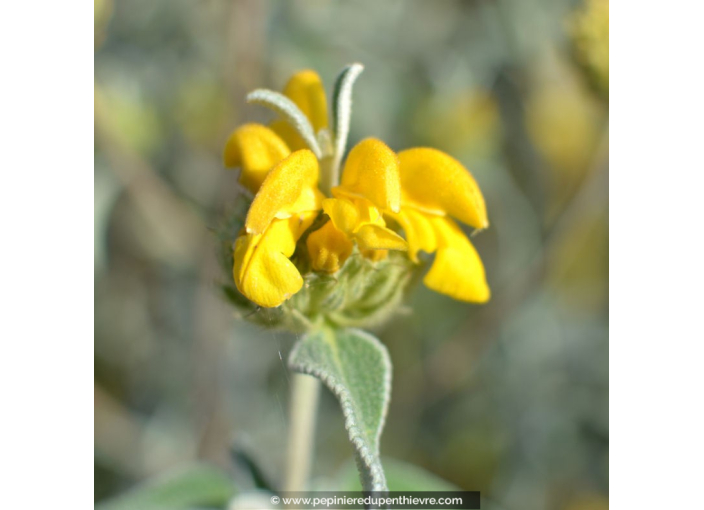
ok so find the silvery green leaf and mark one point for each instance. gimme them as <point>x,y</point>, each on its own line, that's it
<point>342,109</point>
<point>356,367</point>
<point>291,114</point>
<point>186,488</point>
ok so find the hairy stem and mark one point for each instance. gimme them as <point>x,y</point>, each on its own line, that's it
<point>305,392</point>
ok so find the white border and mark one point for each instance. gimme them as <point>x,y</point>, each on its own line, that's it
<point>46,322</point>
<point>656,255</point>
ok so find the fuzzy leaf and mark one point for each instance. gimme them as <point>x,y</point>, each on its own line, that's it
<point>195,486</point>
<point>288,110</point>
<point>356,367</point>
<point>342,108</point>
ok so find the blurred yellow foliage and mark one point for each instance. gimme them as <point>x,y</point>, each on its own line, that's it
<point>466,123</point>
<point>133,121</point>
<point>203,111</point>
<point>579,266</point>
<point>590,32</point>
<point>564,124</point>
<point>102,12</point>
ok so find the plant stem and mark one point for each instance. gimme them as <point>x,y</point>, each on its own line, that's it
<point>305,392</point>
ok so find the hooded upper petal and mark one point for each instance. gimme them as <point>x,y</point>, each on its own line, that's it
<point>457,270</point>
<point>255,149</point>
<point>305,88</point>
<point>438,184</point>
<point>372,172</point>
<point>289,188</point>
<point>370,186</point>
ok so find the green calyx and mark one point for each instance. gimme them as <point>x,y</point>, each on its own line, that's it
<point>362,293</point>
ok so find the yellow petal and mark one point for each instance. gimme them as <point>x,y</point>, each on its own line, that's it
<point>376,237</point>
<point>256,149</point>
<point>300,222</point>
<point>305,88</point>
<point>343,213</point>
<point>245,247</point>
<point>329,248</point>
<point>438,184</point>
<point>420,233</point>
<point>290,187</point>
<point>457,270</point>
<point>288,134</point>
<point>360,220</point>
<point>262,270</point>
<point>368,212</point>
<point>310,199</point>
<point>372,172</point>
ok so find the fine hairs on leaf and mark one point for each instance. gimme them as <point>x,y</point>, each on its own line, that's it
<point>342,111</point>
<point>290,113</point>
<point>356,367</point>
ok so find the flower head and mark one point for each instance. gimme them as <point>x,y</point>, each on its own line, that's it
<point>352,244</point>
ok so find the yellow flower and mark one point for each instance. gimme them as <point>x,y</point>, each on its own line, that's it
<point>420,189</point>
<point>287,200</point>
<point>370,187</point>
<point>434,189</point>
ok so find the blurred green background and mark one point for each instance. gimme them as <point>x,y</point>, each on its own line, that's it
<point>510,398</point>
